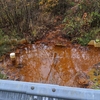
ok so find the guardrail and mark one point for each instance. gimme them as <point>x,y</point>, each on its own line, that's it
<point>15,90</point>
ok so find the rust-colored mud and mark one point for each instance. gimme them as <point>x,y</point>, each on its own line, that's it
<point>51,64</point>
<point>52,60</point>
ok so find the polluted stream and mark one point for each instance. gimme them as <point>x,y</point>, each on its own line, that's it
<point>51,64</point>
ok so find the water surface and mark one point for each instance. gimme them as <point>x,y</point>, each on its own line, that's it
<point>52,64</point>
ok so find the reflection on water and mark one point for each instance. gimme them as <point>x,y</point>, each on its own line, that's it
<point>54,65</point>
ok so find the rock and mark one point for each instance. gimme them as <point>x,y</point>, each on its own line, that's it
<point>97,66</point>
<point>96,44</point>
<point>82,79</point>
<point>91,42</point>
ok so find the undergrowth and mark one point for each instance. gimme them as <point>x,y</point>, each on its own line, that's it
<point>32,19</point>
<point>83,22</point>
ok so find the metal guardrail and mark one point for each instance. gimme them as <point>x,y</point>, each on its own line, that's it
<point>15,90</point>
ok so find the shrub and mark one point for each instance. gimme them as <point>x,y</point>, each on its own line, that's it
<point>82,25</point>
<point>95,22</point>
<point>17,15</point>
<point>55,6</point>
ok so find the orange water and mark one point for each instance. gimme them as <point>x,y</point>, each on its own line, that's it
<point>54,65</point>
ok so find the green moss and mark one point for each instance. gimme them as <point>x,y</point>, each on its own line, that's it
<point>2,76</point>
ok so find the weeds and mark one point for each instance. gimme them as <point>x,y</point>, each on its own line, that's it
<point>2,76</point>
<point>84,23</point>
<point>18,15</point>
<point>56,7</point>
<point>33,18</point>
